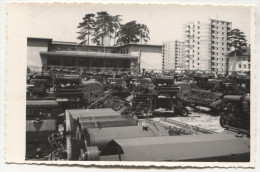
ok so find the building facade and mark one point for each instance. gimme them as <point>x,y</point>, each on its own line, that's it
<point>179,56</point>
<point>129,57</point>
<point>168,55</point>
<point>239,63</point>
<point>206,45</point>
<point>173,55</point>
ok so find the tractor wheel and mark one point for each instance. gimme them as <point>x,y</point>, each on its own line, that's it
<point>184,112</point>
<point>223,121</point>
<point>78,132</point>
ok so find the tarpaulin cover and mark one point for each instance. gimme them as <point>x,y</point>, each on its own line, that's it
<point>182,148</point>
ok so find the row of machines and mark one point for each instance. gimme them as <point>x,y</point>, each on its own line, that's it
<point>72,118</point>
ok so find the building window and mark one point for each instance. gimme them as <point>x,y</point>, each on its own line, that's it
<point>244,66</point>
<point>239,65</point>
<point>198,64</point>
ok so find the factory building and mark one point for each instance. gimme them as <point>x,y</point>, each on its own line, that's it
<point>130,57</point>
<point>206,45</point>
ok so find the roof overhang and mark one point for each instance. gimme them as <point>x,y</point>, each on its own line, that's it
<point>88,54</point>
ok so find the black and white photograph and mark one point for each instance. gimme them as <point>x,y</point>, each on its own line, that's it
<point>134,82</point>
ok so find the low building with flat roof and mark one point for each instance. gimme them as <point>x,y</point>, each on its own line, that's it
<point>128,57</point>
<point>239,63</point>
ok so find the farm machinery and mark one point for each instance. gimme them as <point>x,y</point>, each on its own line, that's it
<point>108,127</point>
<point>194,97</point>
<point>106,135</point>
<point>42,117</point>
<point>154,93</point>
<point>235,112</point>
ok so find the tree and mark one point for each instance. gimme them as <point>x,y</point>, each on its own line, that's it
<point>133,32</point>
<point>237,40</point>
<point>103,24</point>
<point>144,35</point>
<point>101,27</point>
<point>115,26</point>
<point>86,27</point>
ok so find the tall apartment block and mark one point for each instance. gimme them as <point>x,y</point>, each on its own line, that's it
<point>206,45</point>
<point>179,55</point>
<point>173,55</point>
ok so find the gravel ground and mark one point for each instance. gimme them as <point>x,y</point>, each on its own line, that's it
<point>201,120</point>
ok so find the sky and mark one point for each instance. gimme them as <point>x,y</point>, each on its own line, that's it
<point>165,22</point>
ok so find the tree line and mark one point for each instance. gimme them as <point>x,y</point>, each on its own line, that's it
<point>96,27</point>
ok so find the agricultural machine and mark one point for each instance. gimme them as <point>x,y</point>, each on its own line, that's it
<point>235,112</point>
<point>42,117</point>
<point>106,135</point>
<point>74,120</point>
<point>162,94</point>
<point>118,87</point>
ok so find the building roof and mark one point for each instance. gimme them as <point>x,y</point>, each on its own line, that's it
<point>220,20</point>
<point>244,52</point>
<point>78,44</point>
<point>35,38</point>
<point>145,45</point>
<point>88,54</point>
<point>64,43</point>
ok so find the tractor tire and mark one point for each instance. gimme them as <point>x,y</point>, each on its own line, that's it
<point>184,112</point>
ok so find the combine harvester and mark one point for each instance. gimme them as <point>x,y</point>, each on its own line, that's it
<point>106,135</point>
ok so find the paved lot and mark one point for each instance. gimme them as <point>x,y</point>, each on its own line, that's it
<point>202,120</point>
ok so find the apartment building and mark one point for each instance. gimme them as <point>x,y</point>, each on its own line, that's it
<point>206,45</point>
<point>173,55</point>
<point>168,55</point>
<point>179,56</point>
